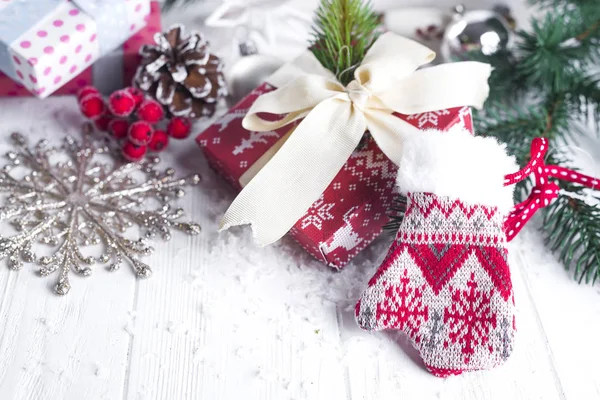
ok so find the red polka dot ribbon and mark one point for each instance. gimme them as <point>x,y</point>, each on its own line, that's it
<point>544,190</point>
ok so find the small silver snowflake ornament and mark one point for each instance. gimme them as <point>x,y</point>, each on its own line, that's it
<point>77,195</point>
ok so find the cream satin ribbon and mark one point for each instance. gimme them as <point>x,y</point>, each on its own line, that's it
<point>335,119</point>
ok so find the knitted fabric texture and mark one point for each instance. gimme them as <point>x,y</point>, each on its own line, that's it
<point>445,281</point>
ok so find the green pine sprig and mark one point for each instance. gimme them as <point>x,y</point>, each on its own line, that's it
<point>572,228</point>
<point>343,32</point>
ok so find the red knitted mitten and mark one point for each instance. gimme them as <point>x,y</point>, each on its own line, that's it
<point>445,281</point>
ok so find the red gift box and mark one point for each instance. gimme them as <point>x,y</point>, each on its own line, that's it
<point>353,209</point>
<point>102,74</point>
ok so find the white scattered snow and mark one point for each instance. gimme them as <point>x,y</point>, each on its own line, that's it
<point>176,327</point>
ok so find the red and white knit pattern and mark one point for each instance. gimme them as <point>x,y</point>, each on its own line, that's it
<point>446,282</point>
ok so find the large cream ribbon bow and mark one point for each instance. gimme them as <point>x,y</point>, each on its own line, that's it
<point>335,120</point>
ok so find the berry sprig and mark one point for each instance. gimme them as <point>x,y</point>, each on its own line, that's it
<point>136,122</point>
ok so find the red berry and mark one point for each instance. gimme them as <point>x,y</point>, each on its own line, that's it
<point>150,111</point>
<point>92,106</point>
<point>159,141</point>
<point>137,94</point>
<point>103,122</point>
<point>133,152</point>
<point>179,128</point>
<point>140,133</point>
<point>84,91</point>
<point>121,103</point>
<point>118,128</point>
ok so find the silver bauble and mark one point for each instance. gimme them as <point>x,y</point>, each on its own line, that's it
<point>251,70</point>
<point>477,30</point>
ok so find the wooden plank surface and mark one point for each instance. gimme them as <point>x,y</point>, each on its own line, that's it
<point>51,347</point>
<point>222,319</point>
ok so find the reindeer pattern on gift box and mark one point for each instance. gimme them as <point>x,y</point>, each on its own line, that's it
<point>346,237</point>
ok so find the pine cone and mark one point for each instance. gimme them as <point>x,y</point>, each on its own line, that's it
<point>181,74</point>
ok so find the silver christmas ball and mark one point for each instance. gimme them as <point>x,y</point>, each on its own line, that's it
<point>251,70</point>
<point>477,30</point>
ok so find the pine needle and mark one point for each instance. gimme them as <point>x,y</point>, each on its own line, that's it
<point>343,32</point>
<point>572,229</point>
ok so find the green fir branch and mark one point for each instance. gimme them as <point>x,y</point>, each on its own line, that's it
<point>343,32</point>
<point>572,229</point>
<point>510,124</point>
<point>544,88</point>
<point>506,81</point>
<point>585,97</point>
<point>546,59</point>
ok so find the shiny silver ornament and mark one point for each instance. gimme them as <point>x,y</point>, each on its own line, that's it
<point>479,30</point>
<point>77,195</point>
<point>251,70</point>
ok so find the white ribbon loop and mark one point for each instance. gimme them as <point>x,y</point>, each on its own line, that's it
<point>391,58</point>
<point>336,118</point>
<point>296,100</point>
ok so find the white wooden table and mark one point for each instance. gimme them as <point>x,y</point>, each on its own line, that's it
<point>222,319</point>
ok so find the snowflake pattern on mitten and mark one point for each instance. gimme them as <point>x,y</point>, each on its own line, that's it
<point>446,281</point>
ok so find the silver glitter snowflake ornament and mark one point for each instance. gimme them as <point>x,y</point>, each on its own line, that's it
<point>77,195</point>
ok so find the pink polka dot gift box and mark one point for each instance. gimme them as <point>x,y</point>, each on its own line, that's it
<point>44,44</point>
